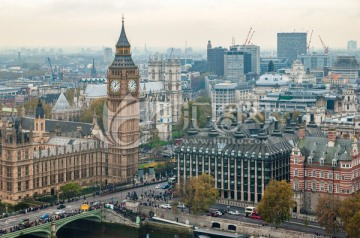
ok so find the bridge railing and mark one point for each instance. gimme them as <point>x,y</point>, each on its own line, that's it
<point>46,227</point>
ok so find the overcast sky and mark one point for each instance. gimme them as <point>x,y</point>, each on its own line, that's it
<point>170,23</point>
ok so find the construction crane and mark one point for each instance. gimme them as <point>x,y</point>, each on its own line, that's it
<point>53,76</point>
<point>309,43</point>
<point>250,38</point>
<point>326,48</point>
<point>247,37</point>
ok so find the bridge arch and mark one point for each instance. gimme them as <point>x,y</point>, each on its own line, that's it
<point>231,227</point>
<point>88,216</point>
<point>40,233</point>
<point>216,225</point>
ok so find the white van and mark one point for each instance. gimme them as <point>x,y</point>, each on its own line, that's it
<point>249,210</point>
<point>109,206</point>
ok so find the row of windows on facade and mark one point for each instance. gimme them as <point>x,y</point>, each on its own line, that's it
<point>328,175</point>
<point>322,162</point>
<point>232,163</point>
<point>322,185</point>
<point>19,153</point>
<point>52,164</point>
<point>51,180</point>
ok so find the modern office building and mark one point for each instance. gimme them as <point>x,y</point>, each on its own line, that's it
<point>352,45</point>
<point>222,99</point>
<point>236,65</point>
<point>215,60</point>
<point>279,63</point>
<point>299,100</point>
<point>347,66</point>
<point>315,61</point>
<point>254,51</point>
<point>108,55</point>
<point>290,45</point>
<point>242,163</point>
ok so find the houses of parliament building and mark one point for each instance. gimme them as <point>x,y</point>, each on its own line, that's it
<point>40,155</point>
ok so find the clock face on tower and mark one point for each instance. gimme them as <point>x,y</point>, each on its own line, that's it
<point>115,86</point>
<point>132,85</point>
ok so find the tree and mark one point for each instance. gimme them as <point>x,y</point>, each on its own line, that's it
<point>349,212</point>
<point>97,105</point>
<point>326,212</point>
<point>203,109</point>
<point>70,93</point>
<point>30,106</point>
<point>276,203</point>
<point>199,193</point>
<point>70,190</point>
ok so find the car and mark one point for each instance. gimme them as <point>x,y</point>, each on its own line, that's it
<point>45,216</point>
<point>219,213</point>
<point>234,213</point>
<point>166,186</point>
<point>24,221</point>
<point>250,210</point>
<point>167,206</point>
<point>255,216</point>
<point>61,206</point>
<point>59,212</point>
<point>158,186</point>
<point>212,214</point>
<point>181,205</point>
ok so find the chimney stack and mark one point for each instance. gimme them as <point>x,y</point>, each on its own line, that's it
<point>331,137</point>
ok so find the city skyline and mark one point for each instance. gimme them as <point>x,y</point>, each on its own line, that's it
<point>170,24</point>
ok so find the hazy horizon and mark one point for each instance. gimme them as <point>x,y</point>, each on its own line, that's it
<point>164,24</point>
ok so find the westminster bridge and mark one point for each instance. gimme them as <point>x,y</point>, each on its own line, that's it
<point>49,229</point>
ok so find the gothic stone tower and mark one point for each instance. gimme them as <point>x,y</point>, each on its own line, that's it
<point>123,113</point>
<point>173,86</point>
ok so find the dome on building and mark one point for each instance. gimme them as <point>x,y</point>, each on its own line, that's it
<point>272,79</point>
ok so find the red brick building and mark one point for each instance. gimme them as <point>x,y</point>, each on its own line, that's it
<point>322,165</point>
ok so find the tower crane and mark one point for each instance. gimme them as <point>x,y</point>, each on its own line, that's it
<point>326,48</point>
<point>250,38</point>
<point>247,37</point>
<point>53,76</point>
<point>309,43</point>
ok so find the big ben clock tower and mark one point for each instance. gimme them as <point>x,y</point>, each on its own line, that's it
<point>123,113</point>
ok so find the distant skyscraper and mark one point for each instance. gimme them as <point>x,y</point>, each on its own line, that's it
<point>108,56</point>
<point>254,51</point>
<point>236,64</point>
<point>93,69</point>
<point>291,45</point>
<point>351,45</point>
<point>215,59</point>
<point>315,61</point>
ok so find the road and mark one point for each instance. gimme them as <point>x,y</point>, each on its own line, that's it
<point>293,224</point>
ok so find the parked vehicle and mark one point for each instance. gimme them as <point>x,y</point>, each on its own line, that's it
<point>109,206</point>
<point>59,212</point>
<point>61,206</point>
<point>167,206</point>
<point>219,213</point>
<point>249,210</point>
<point>181,205</point>
<point>255,216</point>
<point>45,216</point>
<point>158,186</point>
<point>24,222</point>
<point>84,207</point>
<point>237,213</point>
<point>212,214</point>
